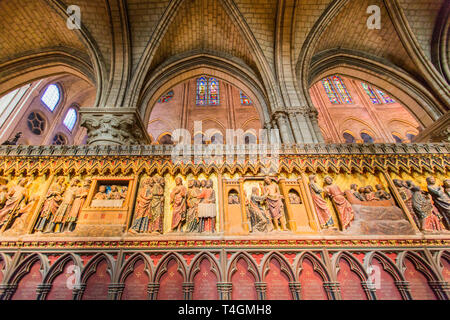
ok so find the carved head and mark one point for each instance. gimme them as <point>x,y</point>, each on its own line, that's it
<point>312,178</point>
<point>102,189</point>
<point>267,180</point>
<point>379,187</point>
<point>362,190</point>
<point>75,181</point>
<point>354,186</point>
<point>197,183</point>
<point>203,183</point>
<point>209,183</point>
<point>61,180</point>
<point>255,191</point>
<point>178,181</point>
<point>328,180</point>
<point>87,182</point>
<point>369,188</point>
<point>191,183</point>
<point>114,189</point>
<point>447,183</point>
<point>398,183</point>
<point>431,180</point>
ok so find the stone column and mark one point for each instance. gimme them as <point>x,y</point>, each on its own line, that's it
<point>78,291</point>
<point>152,290</point>
<point>403,288</point>
<point>333,290</point>
<point>42,290</point>
<point>369,289</point>
<point>313,116</point>
<point>296,290</point>
<point>115,291</point>
<point>261,290</point>
<point>113,126</point>
<point>284,127</point>
<point>303,126</point>
<point>295,128</point>
<point>224,289</point>
<point>441,289</point>
<point>188,290</point>
<point>7,291</point>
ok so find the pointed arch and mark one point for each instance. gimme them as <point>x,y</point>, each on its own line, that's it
<point>163,263</point>
<point>58,267</point>
<point>130,264</point>
<point>318,266</point>
<point>419,263</point>
<point>252,266</point>
<point>91,266</point>
<point>388,265</point>
<point>195,266</point>
<point>354,264</point>
<point>286,268</point>
<point>24,267</point>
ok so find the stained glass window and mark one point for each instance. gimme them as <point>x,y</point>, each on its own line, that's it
<point>70,119</point>
<point>331,93</point>
<point>51,97</point>
<point>166,97</point>
<point>202,84</point>
<point>213,91</point>
<point>341,89</point>
<point>372,95</point>
<point>366,137</point>
<point>349,138</point>
<point>245,101</point>
<point>385,97</point>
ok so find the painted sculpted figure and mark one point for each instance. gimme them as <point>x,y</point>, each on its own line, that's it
<point>424,209</point>
<point>440,199</point>
<point>81,194</point>
<point>382,194</point>
<point>51,204</point>
<point>14,198</point>
<point>178,201</point>
<point>157,206</point>
<point>273,197</point>
<point>323,212</point>
<point>142,210</point>
<point>57,221</point>
<point>343,207</point>
<point>356,193</point>
<point>406,195</point>
<point>260,220</point>
<point>447,187</point>
<point>192,200</point>
<point>207,208</point>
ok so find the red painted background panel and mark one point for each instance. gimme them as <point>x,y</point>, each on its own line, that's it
<point>136,283</point>
<point>171,283</point>
<point>418,284</point>
<point>243,283</point>
<point>385,285</point>
<point>97,284</point>
<point>63,284</point>
<point>205,283</point>
<point>311,282</point>
<point>277,283</point>
<point>446,270</point>
<point>26,289</point>
<point>351,288</point>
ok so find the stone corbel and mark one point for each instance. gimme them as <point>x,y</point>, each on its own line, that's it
<point>113,126</point>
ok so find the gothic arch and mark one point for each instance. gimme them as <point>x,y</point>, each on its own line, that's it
<point>318,266</point>
<point>6,264</point>
<point>25,266</point>
<point>91,266</point>
<point>440,41</point>
<point>162,266</point>
<point>193,64</point>
<point>252,266</point>
<point>58,267</point>
<point>285,266</point>
<point>18,72</point>
<point>130,264</point>
<point>354,264</point>
<point>419,263</point>
<point>388,265</point>
<point>421,103</point>
<point>195,266</point>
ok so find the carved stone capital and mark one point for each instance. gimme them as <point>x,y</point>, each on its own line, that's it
<point>113,126</point>
<point>437,132</point>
